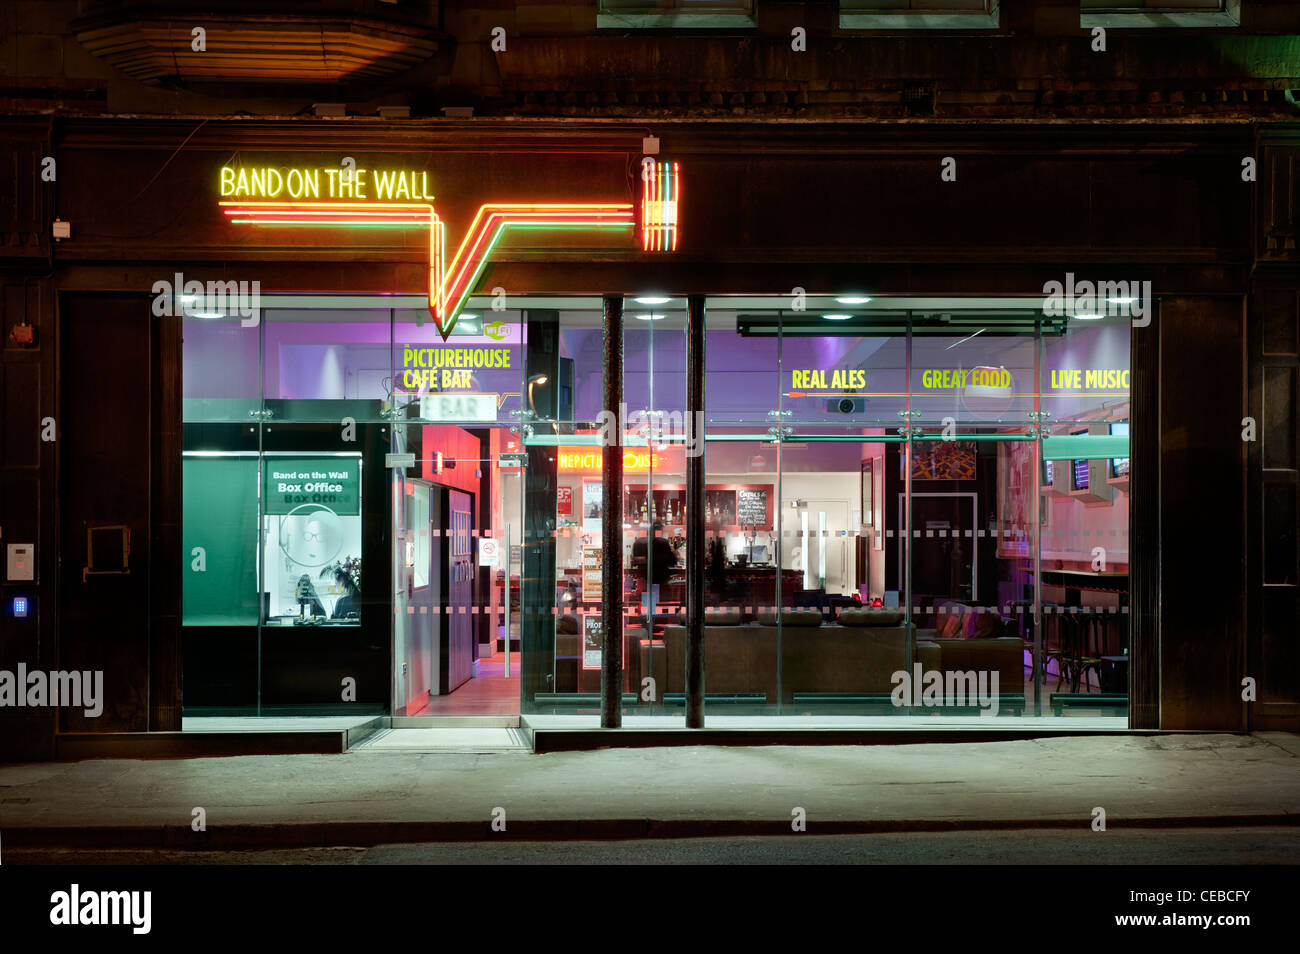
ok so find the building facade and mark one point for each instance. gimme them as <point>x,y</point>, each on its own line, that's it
<point>951,348</point>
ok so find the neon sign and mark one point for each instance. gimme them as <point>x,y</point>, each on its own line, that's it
<point>590,461</point>
<point>343,198</point>
<point>661,189</point>
<point>269,182</point>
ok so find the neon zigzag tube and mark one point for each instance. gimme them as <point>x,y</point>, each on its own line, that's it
<point>449,288</point>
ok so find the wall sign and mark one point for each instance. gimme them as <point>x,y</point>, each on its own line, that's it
<point>341,197</point>
<point>589,460</point>
<point>1089,379</point>
<point>814,379</point>
<point>442,369</point>
<point>324,182</point>
<point>332,482</point>
<point>458,407</point>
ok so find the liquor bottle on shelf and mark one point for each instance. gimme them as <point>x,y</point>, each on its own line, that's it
<point>708,510</point>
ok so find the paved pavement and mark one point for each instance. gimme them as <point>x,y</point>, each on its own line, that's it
<point>1133,846</point>
<point>369,797</point>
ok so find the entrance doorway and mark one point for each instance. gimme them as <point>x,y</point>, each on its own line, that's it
<point>455,515</point>
<point>945,557</point>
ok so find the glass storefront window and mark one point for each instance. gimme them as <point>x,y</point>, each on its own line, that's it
<point>888,486</point>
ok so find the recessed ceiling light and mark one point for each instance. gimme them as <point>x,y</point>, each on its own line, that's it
<point>649,317</point>
<point>1089,317</point>
<point>467,316</point>
<point>653,300</point>
<point>187,299</point>
<point>208,314</point>
<point>853,300</point>
<point>837,317</point>
<point>1121,301</point>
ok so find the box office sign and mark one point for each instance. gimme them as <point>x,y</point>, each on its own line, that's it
<point>333,482</point>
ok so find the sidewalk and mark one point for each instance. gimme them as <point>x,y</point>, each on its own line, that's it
<point>374,797</point>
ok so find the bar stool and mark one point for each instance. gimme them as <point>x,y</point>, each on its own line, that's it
<point>1088,655</point>
<point>1064,632</point>
<point>1024,612</point>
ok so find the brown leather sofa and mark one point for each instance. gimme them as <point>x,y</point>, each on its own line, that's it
<point>971,639</point>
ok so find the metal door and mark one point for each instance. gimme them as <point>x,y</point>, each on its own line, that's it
<point>459,606</point>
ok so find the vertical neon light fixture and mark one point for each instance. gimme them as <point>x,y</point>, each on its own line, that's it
<point>661,192</point>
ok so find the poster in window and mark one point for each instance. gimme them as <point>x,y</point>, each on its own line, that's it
<point>592,505</point>
<point>1016,498</point>
<point>943,460</point>
<point>592,635</point>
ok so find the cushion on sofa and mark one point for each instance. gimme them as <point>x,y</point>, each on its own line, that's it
<point>870,617</point>
<point>790,617</point>
<point>726,617</point>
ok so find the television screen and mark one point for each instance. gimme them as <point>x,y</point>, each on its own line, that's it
<point>1081,474</point>
<point>1119,465</point>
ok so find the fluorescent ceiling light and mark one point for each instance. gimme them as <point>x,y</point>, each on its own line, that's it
<point>1121,301</point>
<point>649,317</point>
<point>853,300</point>
<point>653,300</point>
<point>208,314</point>
<point>1089,317</point>
<point>837,317</point>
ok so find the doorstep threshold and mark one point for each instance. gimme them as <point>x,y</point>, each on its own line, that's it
<point>550,735</point>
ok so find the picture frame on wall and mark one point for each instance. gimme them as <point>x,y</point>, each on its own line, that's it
<point>868,496</point>
<point>873,493</point>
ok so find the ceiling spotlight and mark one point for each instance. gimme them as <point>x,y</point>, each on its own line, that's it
<point>208,314</point>
<point>853,300</point>
<point>1122,301</point>
<point>837,317</point>
<point>1089,317</point>
<point>649,317</point>
<point>652,300</point>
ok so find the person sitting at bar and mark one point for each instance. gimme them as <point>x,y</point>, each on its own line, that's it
<point>664,560</point>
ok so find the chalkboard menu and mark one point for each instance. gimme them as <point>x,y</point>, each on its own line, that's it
<point>591,574</point>
<point>751,507</point>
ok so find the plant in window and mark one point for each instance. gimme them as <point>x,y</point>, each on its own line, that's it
<point>346,573</point>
